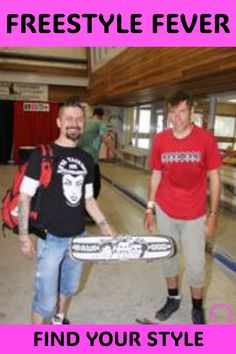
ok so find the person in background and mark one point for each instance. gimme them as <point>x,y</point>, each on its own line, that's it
<point>183,158</point>
<point>94,135</point>
<point>69,193</point>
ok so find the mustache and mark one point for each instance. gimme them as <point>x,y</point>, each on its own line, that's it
<point>75,128</point>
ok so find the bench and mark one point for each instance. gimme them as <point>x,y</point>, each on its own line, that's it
<point>228,183</point>
<point>135,153</point>
<point>228,175</point>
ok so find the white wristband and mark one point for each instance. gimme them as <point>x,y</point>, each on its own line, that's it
<point>151,204</point>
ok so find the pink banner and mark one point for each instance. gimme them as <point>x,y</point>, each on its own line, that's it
<point>117,339</point>
<point>118,23</point>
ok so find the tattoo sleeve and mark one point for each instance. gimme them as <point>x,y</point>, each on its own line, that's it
<point>23,213</point>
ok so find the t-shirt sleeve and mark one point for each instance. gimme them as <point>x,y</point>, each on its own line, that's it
<point>214,160</point>
<point>155,156</point>
<point>30,181</point>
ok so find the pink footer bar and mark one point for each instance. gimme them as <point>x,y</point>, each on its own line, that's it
<point>117,339</point>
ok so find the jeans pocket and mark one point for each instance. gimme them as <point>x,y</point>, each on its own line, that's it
<point>42,245</point>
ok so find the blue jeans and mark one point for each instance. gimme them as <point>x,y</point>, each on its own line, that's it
<point>57,273</point>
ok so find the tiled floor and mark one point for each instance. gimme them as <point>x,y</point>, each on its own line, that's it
<point>109,292</point>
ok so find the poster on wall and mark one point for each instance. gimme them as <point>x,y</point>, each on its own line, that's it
<point>22,92</point>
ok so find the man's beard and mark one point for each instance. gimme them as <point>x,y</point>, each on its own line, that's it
<point>74,134</point>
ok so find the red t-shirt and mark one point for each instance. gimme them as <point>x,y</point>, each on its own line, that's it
<point>184,164</point>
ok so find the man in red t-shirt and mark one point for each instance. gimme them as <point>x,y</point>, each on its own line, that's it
<point>182,159</point>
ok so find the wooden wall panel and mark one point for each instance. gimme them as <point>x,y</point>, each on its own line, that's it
<point>142,75</point>
<point>37,69</point>
<point>61,93</point>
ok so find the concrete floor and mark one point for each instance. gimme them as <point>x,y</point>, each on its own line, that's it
<point>136,181</point>
<point>109,292</point>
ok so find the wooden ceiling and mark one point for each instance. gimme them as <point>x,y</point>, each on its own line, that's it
<point>144,75</point>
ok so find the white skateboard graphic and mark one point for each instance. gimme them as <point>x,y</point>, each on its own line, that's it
<point>121,248</point>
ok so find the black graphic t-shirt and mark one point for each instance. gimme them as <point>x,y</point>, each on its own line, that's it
<point>63,201</point>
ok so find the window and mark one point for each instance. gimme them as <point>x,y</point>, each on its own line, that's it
<point>144,121</point>
<point>224,126</point>
<point>147,120</point>
<point>225,131</point>
<point>141,127</point>
<point>159,121</point>
<point>225,146</point>
<point>198,119</point>
<point>135,120</point>
<point>102,55</point>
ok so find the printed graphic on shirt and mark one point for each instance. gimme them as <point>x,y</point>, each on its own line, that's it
<point>181,157</point>
<point>73,174</point>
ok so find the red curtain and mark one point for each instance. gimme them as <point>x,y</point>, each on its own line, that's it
<point>33,128</point>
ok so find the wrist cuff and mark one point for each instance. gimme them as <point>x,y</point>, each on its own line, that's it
<point>151,204</point>
<point>102,223</point>
<point>151,207</point>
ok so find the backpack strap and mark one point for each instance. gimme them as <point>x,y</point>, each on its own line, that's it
<point>46,165</point>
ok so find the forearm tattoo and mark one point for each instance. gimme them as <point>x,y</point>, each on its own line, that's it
<point>23,216</point>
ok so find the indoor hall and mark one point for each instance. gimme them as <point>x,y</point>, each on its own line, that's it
<point>131,85</point>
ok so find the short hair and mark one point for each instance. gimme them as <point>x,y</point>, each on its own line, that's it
<point>98,111</point>
<point>180,96</point>
<point>72,101</point>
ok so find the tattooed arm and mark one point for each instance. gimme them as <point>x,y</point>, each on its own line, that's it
<point>26,243</point>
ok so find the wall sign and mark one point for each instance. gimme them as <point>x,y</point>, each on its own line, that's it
<point>36,107</point>
<point>22,92</point>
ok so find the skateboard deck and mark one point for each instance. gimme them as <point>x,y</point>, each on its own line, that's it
<point>121,248</point>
